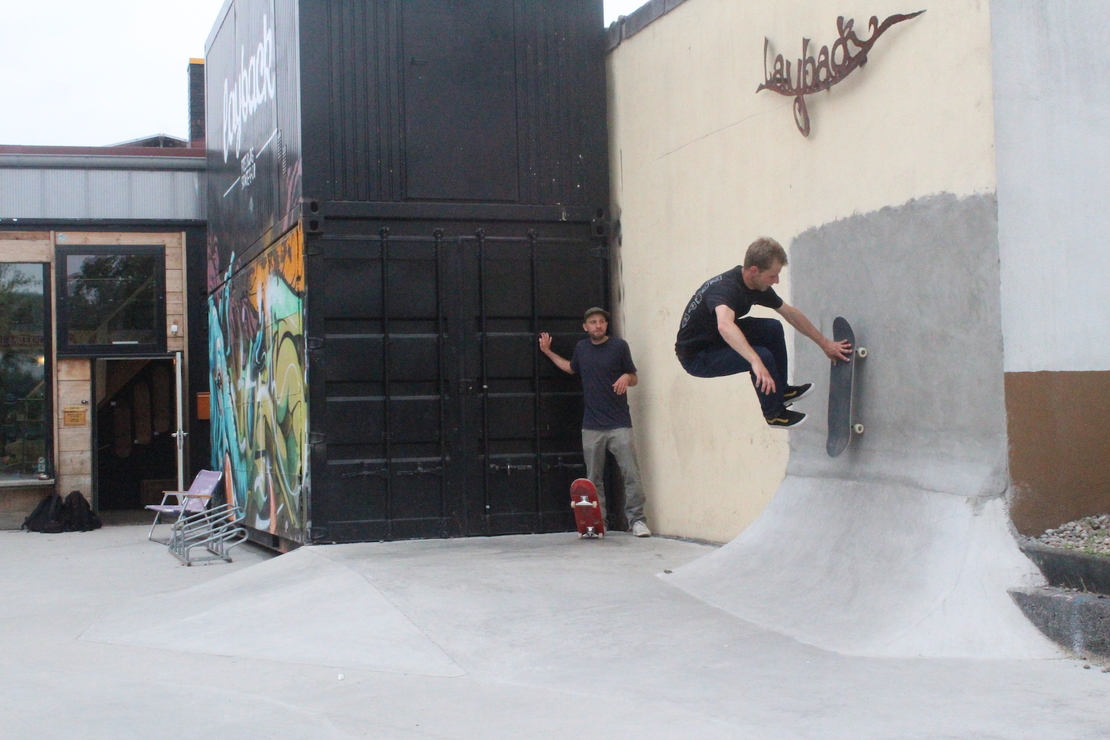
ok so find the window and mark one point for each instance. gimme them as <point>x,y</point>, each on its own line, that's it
<point>111,300</point>
<point>24,357</point>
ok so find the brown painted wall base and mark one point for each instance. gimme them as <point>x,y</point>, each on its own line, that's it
<point>1059,429</point>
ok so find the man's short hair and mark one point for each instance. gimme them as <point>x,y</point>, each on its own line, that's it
<point>764,253</point>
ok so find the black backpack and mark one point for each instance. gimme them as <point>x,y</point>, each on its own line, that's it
<point>77,515</point>
<point>47,516</point>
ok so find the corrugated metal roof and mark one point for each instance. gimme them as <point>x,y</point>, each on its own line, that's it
<point>102,194</point>
<point>97,183</point>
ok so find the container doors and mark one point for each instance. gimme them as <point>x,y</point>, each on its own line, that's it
<point>523,416</point>
<point>439,417</point>
<point>389,423</point>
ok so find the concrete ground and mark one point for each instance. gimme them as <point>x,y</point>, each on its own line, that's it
<point>104,635</point>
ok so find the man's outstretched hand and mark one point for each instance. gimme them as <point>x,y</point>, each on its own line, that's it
<point>545,342</point>
<point>838,351</point>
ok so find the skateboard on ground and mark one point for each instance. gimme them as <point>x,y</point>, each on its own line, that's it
<point>587,509</point>
<point>842,421</point>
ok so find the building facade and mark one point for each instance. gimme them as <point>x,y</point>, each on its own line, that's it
<point>98,250</point>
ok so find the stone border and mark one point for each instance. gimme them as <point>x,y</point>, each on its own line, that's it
<point>1070,568</point>
<point>1080,623</point>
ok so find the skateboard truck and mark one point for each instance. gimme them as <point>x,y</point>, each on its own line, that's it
<point>861,353</point>
<point>585,501</point>
<point>587,509</point>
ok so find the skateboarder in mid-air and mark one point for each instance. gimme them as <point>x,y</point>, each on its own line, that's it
<point>605,364</point>
<point>717,338</point>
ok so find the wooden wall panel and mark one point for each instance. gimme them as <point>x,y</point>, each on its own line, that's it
<point>73,455</point>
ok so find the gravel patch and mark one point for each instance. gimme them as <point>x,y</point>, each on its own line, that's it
<point>1090,535</point>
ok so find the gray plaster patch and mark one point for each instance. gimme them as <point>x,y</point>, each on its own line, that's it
<point>920,285</point>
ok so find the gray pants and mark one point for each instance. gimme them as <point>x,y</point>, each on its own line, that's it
<point>621,444</point>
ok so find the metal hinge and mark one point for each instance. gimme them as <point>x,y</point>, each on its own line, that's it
<point>314,342</point>
<point>508,468</point>
<point>379,473</point>
<point>421,470</point>
<point>317,438</point>
<point>560,464</point>
<point>600,252</point>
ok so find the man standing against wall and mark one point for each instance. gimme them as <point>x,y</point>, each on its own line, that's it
<point>717,338</point>
<point>605,364</point>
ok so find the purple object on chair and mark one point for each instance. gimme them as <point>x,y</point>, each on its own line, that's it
<point>188,502</point>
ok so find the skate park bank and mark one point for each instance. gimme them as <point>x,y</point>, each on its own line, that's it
<point>505,637</point>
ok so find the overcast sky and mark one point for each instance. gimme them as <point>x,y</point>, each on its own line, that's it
<point>91,73</point>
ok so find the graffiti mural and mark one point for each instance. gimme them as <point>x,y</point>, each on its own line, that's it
<point>258,385</point>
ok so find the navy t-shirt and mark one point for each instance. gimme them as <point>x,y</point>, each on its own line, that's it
<point>600,365</point>
<point>698,330</point>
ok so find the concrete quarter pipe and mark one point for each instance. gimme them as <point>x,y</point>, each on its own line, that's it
<point>901,546</point>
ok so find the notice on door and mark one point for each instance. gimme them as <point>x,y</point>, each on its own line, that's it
<point>75,416</point>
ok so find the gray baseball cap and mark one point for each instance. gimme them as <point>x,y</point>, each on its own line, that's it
<point>591,311</point>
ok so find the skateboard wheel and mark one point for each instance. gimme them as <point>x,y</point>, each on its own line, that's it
<point>861,352</point>
<point>857,428</point>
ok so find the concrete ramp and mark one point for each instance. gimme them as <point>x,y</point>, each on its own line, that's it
<point>901,546</point>
<point>296,608</point>
<point>864,569</point>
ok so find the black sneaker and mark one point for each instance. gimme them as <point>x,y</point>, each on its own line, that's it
<point>795,392</point>
<point>786,419</point>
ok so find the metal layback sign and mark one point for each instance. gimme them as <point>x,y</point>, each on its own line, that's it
<point>814,74</point>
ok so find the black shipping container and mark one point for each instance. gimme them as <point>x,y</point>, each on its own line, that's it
<point>402,194</point>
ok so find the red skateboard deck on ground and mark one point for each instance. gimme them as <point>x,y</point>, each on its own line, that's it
<point>587,509</point>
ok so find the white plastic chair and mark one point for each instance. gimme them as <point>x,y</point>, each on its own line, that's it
<point>192,501</point>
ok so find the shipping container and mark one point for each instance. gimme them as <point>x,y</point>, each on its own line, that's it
<point>402,195</point>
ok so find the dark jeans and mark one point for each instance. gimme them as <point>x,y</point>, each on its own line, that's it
<point>767,339</point>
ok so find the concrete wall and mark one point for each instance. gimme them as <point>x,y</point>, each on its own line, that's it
<point>702,165</point>
<point>919,282</point>
<point>1053,152</point>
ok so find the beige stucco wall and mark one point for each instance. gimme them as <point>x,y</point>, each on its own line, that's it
<point>701,165</point>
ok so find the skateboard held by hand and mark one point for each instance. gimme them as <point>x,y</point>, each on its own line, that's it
<point>842,378</point>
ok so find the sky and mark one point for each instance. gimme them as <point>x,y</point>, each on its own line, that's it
<point>93,73</point>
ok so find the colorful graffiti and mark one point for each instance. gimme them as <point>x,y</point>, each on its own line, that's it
<point>258,384</point>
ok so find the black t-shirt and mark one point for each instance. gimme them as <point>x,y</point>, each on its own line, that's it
<point>600,365</point>
<point>699,323</point>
